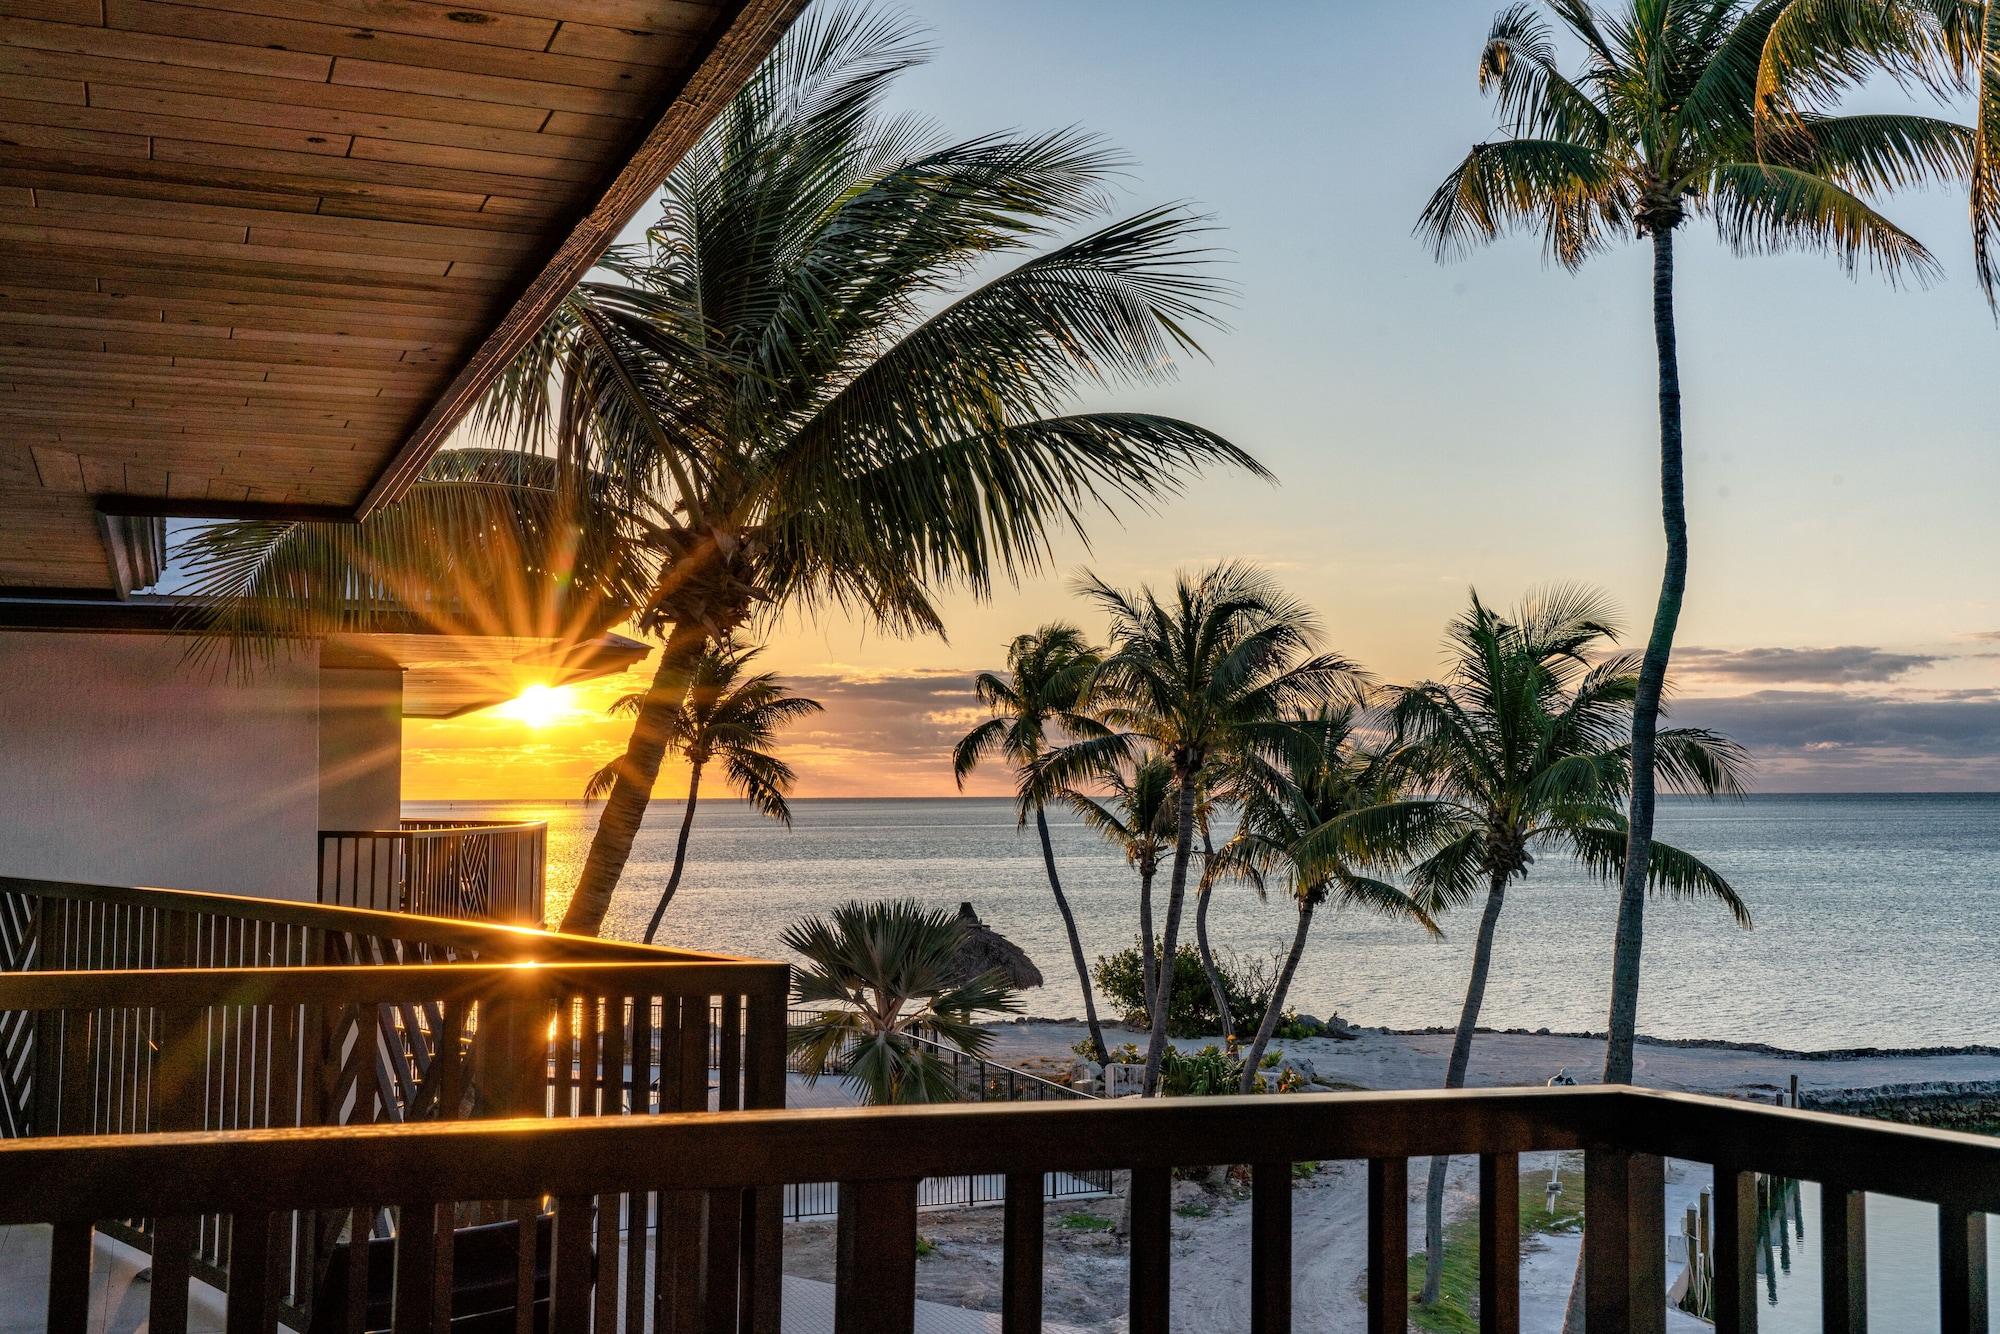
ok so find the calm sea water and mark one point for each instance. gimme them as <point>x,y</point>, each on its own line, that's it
<point>1876,916</point>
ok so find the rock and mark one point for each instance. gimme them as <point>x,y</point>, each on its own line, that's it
<point>1310,1025</point>
<point>985,950</point>
<point>1083,1069</point>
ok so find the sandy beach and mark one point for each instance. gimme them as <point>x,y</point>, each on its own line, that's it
<point>1087,1268</point>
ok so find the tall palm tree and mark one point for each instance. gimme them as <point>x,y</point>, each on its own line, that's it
<point>1524,748</point>
<point>723,715</point>
<point>817,382</point>
<point>1661,123</point>
<point>1209,671</point>
<point>1047,672</point>
<point>1290,829</point>
<point>876,973</point>
<point>1136,816</point>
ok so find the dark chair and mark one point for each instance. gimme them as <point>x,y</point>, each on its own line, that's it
<point>483,1269</point>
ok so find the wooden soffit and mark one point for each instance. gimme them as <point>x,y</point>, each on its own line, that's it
<point>260,256</point>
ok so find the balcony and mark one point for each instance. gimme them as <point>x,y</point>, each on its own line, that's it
<point>438,868</point>
<point>345,1119</point>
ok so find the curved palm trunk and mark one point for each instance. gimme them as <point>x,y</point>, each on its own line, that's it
<point>1284,984</point>
<point>1149,959</point>
<point>1075,941</point>
<point>1156,1041</point>
<point>680,854</point>
<point>638,770</point>
<point>1454,1077</point>
<point>1205,892</point>
<point>1631,936</point>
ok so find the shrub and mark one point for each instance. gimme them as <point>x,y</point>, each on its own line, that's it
<point>1208,1072</point>
<point>1191,1008</point>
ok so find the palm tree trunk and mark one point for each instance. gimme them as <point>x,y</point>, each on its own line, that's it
<point>1149,959</point>
<point>1075,941</point>
<point>1454,1077</point>
<point>1215,987</point>
<point>1284,984</point>
<point>1631,935</point>
<point>1156,1041</point>
<point>680,854</point>
<point>638,770</point>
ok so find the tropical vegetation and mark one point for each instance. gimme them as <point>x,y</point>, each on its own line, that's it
<point>1522,750</point>
<point>883,983</point>
<point>1717,108</point>
<point>1291,829</point>
<point>1196,676</point>
<point>1034,705</point>
<point>727,716</point>
<point>840,370</point>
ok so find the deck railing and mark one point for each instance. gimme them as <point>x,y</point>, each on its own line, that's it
<point>438,868</point>
<point>128,1011</point>
<point>602,1172</point>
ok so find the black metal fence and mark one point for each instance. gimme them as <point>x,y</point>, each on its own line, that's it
<point>979,1080</point>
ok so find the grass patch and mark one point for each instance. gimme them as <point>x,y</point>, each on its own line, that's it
<point>1457,1307</point>
<point>1085,1222</point>
<point>925,1246</point>
<point>1192,1210</point>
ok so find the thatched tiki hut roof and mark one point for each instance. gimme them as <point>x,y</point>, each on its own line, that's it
<point>985,950</point>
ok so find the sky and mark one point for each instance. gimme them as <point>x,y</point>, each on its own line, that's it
<point>1435,427</point>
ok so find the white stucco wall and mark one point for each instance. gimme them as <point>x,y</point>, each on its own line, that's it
<point>120,764</point>
<point>360,747</point>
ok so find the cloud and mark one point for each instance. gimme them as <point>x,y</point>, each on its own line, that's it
<point>1859,741</point>
<point>1842,665</point>
<point>887,734</point>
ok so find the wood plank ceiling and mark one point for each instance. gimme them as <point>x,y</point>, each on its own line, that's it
<point>256,256</point>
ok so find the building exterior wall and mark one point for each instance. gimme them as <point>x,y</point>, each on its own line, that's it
<point>121,763</point>
<point>360,747</point>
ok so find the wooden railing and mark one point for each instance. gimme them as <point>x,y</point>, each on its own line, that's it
<point>602,1173</point>
<point>128,1011</point>
<point>438,868</point>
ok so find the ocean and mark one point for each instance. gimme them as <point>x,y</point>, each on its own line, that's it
<point>1876,915</point>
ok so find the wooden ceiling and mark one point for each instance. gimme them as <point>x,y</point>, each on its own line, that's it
<point>258,256</point>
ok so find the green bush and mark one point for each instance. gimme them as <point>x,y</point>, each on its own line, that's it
<point>1207,1073</point>
<point>1191,1008</point>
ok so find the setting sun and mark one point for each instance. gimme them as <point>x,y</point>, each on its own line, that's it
<point>538,705</point>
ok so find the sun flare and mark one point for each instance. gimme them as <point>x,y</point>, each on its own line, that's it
<point>538,705</point>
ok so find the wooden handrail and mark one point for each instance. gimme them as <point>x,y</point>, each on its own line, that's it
<point>485,938</point>
<point>595,1168</point>
<point>383,984</point>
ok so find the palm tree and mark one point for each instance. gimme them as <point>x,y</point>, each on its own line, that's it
<point>727,716</point>
<point>1209,672</point>
<point>816,383</point>
<point>1661,123</point>
<point>1047,671</point>
<point>878,972</point>
<point>1525,748</point>
<point>1136,816</point>
<point>1291,808</point>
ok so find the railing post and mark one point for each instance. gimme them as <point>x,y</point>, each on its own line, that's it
<point>1624,1241</point>
<point>1843,1262</point>
<point>875,1275</point>
<point>1734,1251</point>
<point>763,1274</point>
<point>1500,1243</point>
<point>1021,1255</point>
<point>1151,1243</point>
<point>1388,1245</point>
<point>1962,1300</point>
<point>1270,1248</point>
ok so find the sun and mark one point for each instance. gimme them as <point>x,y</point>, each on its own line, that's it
<point>538,705</point>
